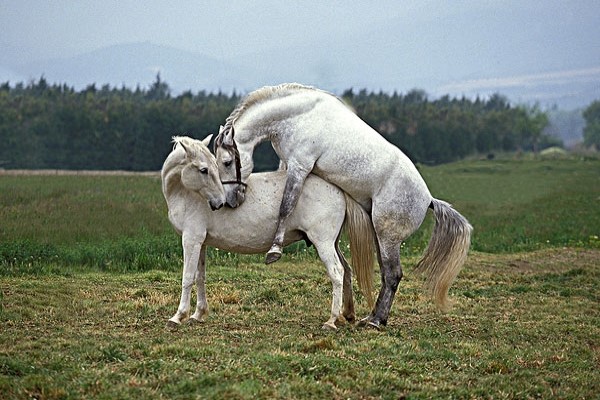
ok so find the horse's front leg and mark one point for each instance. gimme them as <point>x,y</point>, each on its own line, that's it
<point>201,303</point>
<point>291,193</point>
<point>192,245</point>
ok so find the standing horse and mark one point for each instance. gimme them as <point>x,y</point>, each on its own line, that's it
<point>313,131</point>
<point>192,190</point>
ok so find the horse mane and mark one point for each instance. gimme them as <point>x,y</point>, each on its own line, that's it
<point>260,95</point>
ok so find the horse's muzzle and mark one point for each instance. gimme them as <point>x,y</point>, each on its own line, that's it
<point>236,197</point>
<point>215,207</point>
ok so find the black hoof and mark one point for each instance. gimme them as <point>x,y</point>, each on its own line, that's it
<point>369,322</point>
<point>172,326</point>
<point>272,257</point>
<point>374,325</point>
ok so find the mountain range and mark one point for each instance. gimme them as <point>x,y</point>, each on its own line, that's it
<point>555,62</point>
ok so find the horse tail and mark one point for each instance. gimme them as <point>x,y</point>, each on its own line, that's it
<point>362,246</point>
<point>446,251</point>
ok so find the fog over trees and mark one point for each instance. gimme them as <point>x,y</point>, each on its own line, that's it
<point>57,127</point>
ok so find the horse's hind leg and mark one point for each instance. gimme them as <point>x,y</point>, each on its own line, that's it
<point>392,226</point>
<point>348,298</point>
<point>391,274</point>
<point>388,255</point>
<point>335,270</point>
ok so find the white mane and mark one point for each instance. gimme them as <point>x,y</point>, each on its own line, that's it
<point>260,95</point>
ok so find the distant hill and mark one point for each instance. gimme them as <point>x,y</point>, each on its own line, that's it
<point>554,62</point>
<point>138,64</point>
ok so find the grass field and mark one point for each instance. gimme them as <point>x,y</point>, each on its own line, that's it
<point>89,274</point>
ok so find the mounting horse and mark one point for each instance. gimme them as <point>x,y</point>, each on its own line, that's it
<point>312,131</point>
<point>194,194</point>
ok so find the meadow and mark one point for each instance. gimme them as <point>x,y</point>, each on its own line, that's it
<point>90,273</point>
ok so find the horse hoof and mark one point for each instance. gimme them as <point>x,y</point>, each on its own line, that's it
<point>329,327</point>
<point>369,323</point>
<point>194,321</point>
<point>272,256</point>
<point>373,325</point>
<point>172,325</point>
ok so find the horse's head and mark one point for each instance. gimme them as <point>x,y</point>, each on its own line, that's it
<point>230,168</point>
<point>199,172</point>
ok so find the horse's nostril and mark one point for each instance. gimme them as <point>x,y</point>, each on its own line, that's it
<point>215,207</point>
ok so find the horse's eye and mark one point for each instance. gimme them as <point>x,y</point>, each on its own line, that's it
<point>227,163</point>
<point>204,171</point>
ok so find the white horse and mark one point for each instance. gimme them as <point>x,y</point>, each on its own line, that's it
<point>192,190</point>
<point>313,131</point>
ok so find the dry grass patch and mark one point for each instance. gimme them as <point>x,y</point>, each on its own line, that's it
<point>523,326</point>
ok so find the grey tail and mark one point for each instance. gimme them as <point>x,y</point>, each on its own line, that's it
<point>362,246</point>
<point>446,251</point>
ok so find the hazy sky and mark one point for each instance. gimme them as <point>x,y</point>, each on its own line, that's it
<point>58,28</point>
<point>45,29</point>
<point>491,31</point>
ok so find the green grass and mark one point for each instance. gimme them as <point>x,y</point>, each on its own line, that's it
<point>524,205</point>
<point>90,273</point>
<point>119,223</point>
<point>523,326</point>
<point>72,209</point>
<point>108,223</point>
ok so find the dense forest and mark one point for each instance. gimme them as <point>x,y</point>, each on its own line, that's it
<point>55,126</point>
<point>591,133</point>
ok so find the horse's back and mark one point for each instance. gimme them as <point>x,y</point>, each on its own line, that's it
<point>352,155</point>
<point>318,199</point>
<point>314,131</point>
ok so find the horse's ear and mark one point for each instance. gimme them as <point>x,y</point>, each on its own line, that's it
<point>178,140</point>
<point>225,138</point>
<point>182,141</point>
<point>188,151</point>
<point>228,137</point>
<point>206,140</point>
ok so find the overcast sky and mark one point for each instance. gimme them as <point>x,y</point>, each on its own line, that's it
<point>44,29</point>
<point>59,28</point>
<point>34,30</point>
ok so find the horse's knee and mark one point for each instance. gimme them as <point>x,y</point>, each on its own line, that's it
<point>392,284</point>
<point>397,276</point>
<point>392,277</point>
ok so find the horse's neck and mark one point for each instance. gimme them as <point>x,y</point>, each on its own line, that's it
<point>256,123</point>
<point>172,186</point>
<point>250,133</point>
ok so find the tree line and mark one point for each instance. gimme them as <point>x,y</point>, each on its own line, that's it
<point>591,132</point>
<point>54,126</point>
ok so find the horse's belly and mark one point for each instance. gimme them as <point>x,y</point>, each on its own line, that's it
<point>251,241</point>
